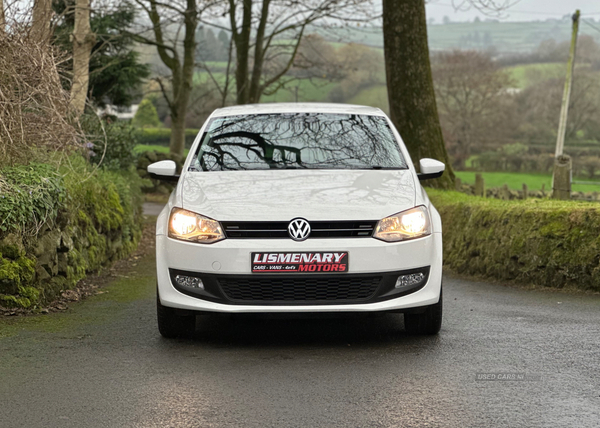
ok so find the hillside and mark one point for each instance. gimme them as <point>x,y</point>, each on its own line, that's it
<point>503,36</point>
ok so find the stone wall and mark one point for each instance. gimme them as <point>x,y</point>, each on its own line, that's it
<point>99,222</point>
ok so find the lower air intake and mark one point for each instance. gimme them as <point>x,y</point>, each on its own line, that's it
<point>316,290</point>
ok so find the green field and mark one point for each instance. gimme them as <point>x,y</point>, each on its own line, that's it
<point>374,96</point>
<point>316,90</point>
<point>515,181</point>
<point>528,74</point>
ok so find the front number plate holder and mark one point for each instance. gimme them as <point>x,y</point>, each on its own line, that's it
<point>300,262</point>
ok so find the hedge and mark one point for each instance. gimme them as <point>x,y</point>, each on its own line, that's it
<point>162,136</point>
<point>59,226</point>
<point>542,242</point>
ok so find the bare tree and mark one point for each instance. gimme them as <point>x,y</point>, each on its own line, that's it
<point>83,41</point>
<point>410,87</point>
<point>538,106</point>
<point>169,20</point>
<point>472,95</point>
<point>487,7</point>
<point>262,60</point>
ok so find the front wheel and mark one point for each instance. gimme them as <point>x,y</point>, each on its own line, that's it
<point>426,323</point>
<point>171,325</point>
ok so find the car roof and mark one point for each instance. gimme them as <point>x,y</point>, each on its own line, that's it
<point>269,108</point>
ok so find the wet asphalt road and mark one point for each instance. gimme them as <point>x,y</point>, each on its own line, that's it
<point>103,364</point>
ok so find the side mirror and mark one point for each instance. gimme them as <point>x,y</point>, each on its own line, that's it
<point>430,168</point>
<point>164,170</point>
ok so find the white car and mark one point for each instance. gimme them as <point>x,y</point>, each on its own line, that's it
<point>298,208</point>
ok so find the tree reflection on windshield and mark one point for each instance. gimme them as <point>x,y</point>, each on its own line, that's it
<point>301,140</point>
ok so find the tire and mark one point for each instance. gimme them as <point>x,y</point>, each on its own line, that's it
<point>426,323</point>
<point>171,325</point>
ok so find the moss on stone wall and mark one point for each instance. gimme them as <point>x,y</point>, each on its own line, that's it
<point>96,220</point>
<point>542,242</point>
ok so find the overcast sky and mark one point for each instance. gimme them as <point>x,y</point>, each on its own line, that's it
<point>524,10</point>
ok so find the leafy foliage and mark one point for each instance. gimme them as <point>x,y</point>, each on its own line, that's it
<point>30,196</point>
<point>111,144</point>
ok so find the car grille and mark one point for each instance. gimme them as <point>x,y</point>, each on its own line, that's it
<point>278,229</point>
<point>322,289</point>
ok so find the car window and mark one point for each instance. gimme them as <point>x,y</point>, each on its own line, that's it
<point>298,141</point>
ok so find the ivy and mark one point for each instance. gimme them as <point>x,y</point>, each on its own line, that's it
<point>30,196</point>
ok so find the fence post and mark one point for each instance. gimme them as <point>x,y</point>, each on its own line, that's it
<point>525,191</point>
<point>479,185</point>
<point>458,184</point>
<point>561,188</point>
<point>505,193</point>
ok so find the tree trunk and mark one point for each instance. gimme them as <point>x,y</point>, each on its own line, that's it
<point>177,143</point>
<point>182,72</point>
<point>2,19</point>
<point>255,87</point>
<point>183,77</point>
<point>242,51</point>
<point>40,23</point>
<point>410,85</point>
<point>83,41</point>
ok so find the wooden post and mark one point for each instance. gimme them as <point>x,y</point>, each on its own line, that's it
<point>505,192</point>
<point>564,110</point>
<point>525,191</point>
<point>479,185</point>
<point>458,184</point>
<point>562,178</point>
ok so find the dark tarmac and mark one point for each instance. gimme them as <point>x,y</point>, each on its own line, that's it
<point>103,364</point>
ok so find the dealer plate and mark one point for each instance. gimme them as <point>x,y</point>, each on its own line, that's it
<point>300,262</point>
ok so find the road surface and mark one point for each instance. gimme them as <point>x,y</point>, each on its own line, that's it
<point>505,357</point>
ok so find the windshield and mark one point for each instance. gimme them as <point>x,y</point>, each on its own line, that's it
<point>298,141</point>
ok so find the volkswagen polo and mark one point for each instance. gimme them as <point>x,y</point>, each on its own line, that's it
<point>298,208</point>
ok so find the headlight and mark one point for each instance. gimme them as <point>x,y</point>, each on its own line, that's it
<point>189,226</point>
<point>410,224</point>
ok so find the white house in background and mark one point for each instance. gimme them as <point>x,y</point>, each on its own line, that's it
<point>122,113</point>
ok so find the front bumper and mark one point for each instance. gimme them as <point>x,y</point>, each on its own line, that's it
<point>231,259</point>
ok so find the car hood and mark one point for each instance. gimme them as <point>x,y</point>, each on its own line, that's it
<point>285,194</point>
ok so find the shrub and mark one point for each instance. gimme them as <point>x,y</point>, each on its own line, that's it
<point>162,136</point>
<point>30,196</point>
<point>111,144</point>
<point>543,242</point>
<point>33,105</point>
<point>146,116</point>
<point>589,164</point>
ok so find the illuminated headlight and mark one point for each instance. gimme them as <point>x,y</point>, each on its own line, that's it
<point>189,226</point>
<point>410,224</point>
<point>189,281</point>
